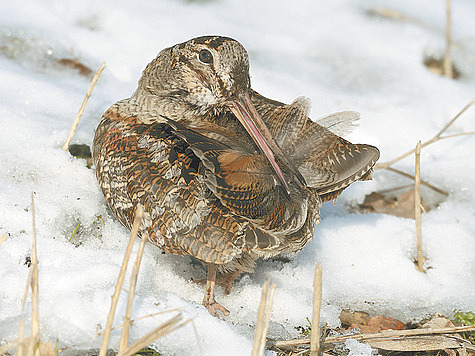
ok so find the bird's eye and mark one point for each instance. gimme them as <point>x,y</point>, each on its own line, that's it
<point>205,56</point>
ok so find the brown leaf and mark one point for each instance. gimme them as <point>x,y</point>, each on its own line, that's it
<point>379,323</point>
<point>402,205</point>
<point>363,321</point>
<point>385,323</point>
<point>75,64</point>
<point>353,318</point>
<point>438,321</point>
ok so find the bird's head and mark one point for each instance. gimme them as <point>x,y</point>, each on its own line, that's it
<point>204,72</point>
<point>209,74</point>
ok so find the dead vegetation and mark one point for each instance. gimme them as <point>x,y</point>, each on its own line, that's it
<point>430,336</point>
<point>40,53</point>
<point>438,64</point>
<point>382,333</point>
<point>400,201</point>
<point>83,106</point>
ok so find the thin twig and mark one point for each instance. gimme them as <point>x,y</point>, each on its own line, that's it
<point>35,316</point>
<point>455,118</point>
<point>141,318</point>
<point>384,191</point>
<point>124,339</point>
<point>317,303</point>
<point>120,281</point>
<point>83,106</point>
<point>162,330</point>
<point>379,335</point>
<point>417,208</point>
<point>423,182</point>
<point>458,134</point>
<point>447,69</point>
<point>427,143</point>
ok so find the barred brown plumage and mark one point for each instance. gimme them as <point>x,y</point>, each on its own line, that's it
<point>223,173</point>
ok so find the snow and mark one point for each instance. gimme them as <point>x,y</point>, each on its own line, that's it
<point>335,53</point>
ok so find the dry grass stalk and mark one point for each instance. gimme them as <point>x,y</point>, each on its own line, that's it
<point>317,303</point>
<point>27,345</point>
<point>260,319</point>
<point>391,14</point>
<point>141,318</point>
<point>21,327</point>
<point>417,207</point>
<point>3,238</point>
<point>120,281</point>
<point>401,187</point>
<point>266,321</point>
<point>447,69</point>
<point>166,328</point>
<point>35,316</point>
<point>83,106</point>
<point>383,334</point>
<point>436,138</point>
<point>263,316</point>
<point>124,339</point>
<point>20,351</point>
<point>423,182</point>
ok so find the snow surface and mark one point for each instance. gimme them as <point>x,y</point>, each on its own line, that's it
<point>333,52</point>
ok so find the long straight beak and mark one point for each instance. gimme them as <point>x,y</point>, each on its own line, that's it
<point>248,116</point>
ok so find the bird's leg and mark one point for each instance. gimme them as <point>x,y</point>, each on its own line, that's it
<point>208,300</point>
<point>225,280</point>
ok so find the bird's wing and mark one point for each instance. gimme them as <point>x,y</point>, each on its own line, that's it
<point>150,165</point>
<point>245,183</point>
<point>328,162</point>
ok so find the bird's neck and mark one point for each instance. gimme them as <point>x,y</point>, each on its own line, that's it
<point>150,108</point>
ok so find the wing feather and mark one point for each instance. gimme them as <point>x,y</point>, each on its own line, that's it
<point>328,162</point>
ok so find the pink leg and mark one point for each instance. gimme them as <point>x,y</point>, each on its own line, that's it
<point>208,300</point>
<point>225,280</point>
<point>228,279</point>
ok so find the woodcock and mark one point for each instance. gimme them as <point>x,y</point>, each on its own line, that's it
<point>223,173</point>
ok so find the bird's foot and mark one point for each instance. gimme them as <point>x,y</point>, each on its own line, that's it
<point>208,300</point>
<point>213,306</point>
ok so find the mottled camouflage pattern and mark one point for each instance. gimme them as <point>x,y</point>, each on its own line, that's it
<point>207,190</point>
